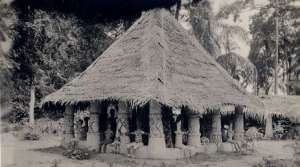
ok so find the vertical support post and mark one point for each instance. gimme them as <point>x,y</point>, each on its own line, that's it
<point>239,124</point>
<point>77,129</point>
<point>178,137</point>
<point>156,136</point>
<point>93,135</point>
<point>216,134</point>
<point>230,133</point>
<point>194,130</point>
<point>123,126</point>
<point>68,134</point>
<point>276,50</point>
<point>269,128</point>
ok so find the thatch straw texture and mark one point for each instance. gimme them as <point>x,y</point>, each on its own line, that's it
<point>287,106</point>
<point>156,59</point>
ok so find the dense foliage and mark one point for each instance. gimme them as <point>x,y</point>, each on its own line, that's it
<point>262,52</point>
<point>211,29</point>
<point>54,41</point>
<point>49,49</point>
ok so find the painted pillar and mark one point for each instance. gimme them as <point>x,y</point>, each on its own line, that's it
<point>93,135</point>
<point>239,124</point>
<point>178,133</point>
<point>68,134</point>
<point>123,126</point>
<point>156,136</point>
<point>230,133</point>
<point>269,128</point>
<point>216,134</point>
<point>77,129</point>
<point>194,130</point>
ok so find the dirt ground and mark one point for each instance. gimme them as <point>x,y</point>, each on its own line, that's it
<point>45,153</point>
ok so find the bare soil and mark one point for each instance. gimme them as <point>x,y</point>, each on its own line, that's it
<point>47,153</point>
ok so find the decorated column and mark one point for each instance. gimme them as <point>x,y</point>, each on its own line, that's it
<point>156,136</point>
<point>68,134</point>
<point>178,133</point>
<point>77,129</point>
<point>239,124</point>
<point>216,134</point>
<point>93,135</point>
<point>123,126</point>
<point>194,130</point>
<point>269,128</point>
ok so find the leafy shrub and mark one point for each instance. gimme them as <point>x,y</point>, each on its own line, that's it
<point>31,136</point>
<point>48,126</point>
<point>7,127</point>
<point>77,153</point>
<point>28,133</point>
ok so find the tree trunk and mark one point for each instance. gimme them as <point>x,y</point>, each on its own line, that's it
<point>31,106</point>
<point>276,59</point>
<point>178,7</point>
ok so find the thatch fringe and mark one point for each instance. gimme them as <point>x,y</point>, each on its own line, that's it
<point>283,106</point>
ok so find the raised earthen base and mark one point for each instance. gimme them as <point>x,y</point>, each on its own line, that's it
<point>174,153</point>
<point>164,153</point>
<point>93,141</point>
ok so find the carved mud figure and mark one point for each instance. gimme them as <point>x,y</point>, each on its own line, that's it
<point>132,147</point>
<point>82,128</point>
<point>108,139</point>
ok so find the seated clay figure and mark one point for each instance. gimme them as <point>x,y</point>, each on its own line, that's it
<point>204,140</point>
<point>132,147</point>
<point>108,139</point>
<point>116,145</point>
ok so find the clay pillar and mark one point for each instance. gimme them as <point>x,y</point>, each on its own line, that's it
<point>239,124</point>
<point>194,130</point>
<point>68,134</point>
<point>230,133</point>
<point>156,136</point>
<point>123,126</point>
<point>269,128</point>
<point>178,133</point>
<point>216,134</point>
<point>93,135</point>
<point>77,129</point>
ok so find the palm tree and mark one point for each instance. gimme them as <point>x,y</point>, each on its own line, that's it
<point>240,68</point>
<point>212,31</point>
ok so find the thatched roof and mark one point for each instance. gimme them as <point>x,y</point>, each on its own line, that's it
<point>156,59</point>
<point>287,106</point>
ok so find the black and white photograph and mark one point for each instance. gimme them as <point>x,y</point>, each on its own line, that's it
<point>150,83</point>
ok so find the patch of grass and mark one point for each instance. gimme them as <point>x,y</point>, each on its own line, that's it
<point>270,162</point>
<point>77,153</point>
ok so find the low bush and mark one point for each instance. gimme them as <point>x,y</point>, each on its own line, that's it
<point>31,136</point>
<point>77,153</point>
